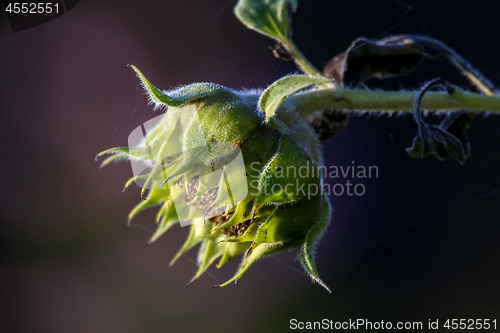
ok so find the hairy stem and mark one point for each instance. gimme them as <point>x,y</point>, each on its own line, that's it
<point>366,100</point>
<point>300,60</point>
<point>473,75</point>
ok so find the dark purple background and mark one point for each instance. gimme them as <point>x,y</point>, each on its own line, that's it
<point>421,244</point>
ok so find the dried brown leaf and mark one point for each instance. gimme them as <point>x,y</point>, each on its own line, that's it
<point>396,56</point>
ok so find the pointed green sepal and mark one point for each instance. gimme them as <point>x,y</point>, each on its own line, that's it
<point>263,250</point>
<point>209,251</point>
<point>113,158</point>
<point>289,176</point>
<point>166,221</point>
<point>181,96</point>
<point>306,255</point>
<point>197,233</point>
<point>132,180</point>
<point>231,251</point>
<point>155,197</point>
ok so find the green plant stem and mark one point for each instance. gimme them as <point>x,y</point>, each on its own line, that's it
<point>366,100</point>
<point>300,60</point>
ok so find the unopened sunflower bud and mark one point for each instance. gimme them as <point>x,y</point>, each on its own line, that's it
<point>221,165</point>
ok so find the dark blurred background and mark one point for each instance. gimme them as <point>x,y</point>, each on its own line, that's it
<point>421,244</point>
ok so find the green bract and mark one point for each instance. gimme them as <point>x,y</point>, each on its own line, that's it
<point>217,164</point>
<point>283,88</point>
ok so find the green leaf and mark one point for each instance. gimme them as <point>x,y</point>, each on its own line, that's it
<point>280,90</point>
<point>268,17</point>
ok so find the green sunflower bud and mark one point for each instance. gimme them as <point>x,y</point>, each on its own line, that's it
<point>242,172</point>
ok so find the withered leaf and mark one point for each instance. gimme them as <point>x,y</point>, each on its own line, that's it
<point>327,123</point>
<point>392,57</point>
<point>457,124</point>
<point>395,56</point>
<point>433,140</point>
